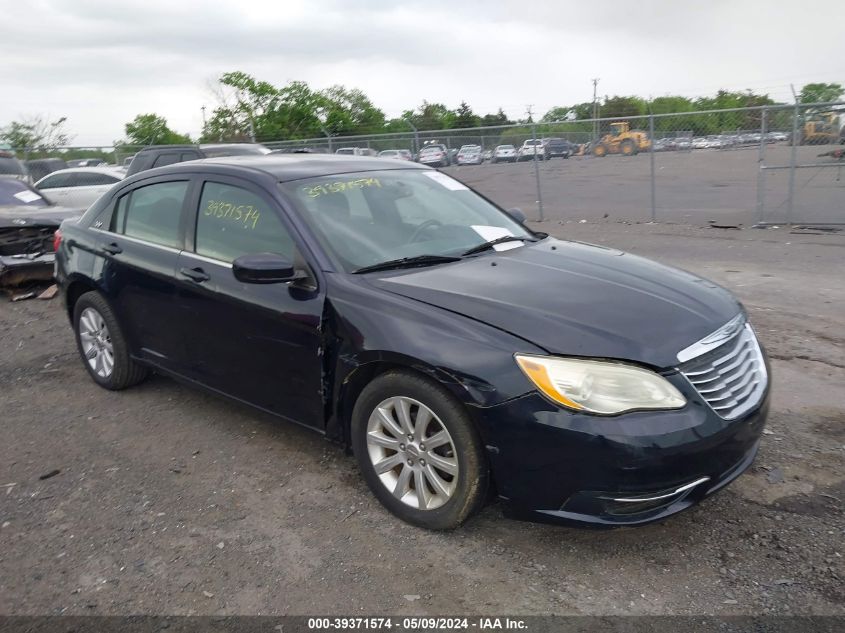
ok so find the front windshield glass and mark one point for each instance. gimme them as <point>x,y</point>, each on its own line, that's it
<point>377,216</point>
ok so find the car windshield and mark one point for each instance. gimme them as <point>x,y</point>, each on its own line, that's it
<point>533,142</point>
<point>373,217</point>
<point>15,193</point>
<point>505,147</point>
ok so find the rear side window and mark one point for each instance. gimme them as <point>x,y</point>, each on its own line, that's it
<point>92,179</point>
<point>56,180</point>
<point>152,213</point>
<point>233,221</point>
<point>166,159</point>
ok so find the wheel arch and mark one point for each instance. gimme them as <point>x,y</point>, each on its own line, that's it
<point>75,288</point>
<point>352,382</point>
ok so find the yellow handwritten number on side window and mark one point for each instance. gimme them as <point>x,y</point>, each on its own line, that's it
<point>246,214</point>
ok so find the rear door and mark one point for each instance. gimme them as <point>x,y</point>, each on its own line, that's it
<point>139,249</point>
<point>259,343</point>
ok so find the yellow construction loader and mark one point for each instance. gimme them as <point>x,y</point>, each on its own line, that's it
<point>622,140</point>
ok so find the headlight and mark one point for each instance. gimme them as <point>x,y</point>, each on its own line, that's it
<point>598,386</point>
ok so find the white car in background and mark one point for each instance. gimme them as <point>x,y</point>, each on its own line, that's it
<point>398,154</point>
<point>504,153</point>
<point>530,148</point>
<point>470,155</point>
<point>79,186</point>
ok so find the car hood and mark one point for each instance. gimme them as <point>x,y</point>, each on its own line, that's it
<point>576,299</point>
<point>24,215</point>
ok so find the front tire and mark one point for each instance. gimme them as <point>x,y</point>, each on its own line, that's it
<point>418,451</point>
<point>102,344</point>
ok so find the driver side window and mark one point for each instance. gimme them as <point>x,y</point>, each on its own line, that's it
<point>233,221</point>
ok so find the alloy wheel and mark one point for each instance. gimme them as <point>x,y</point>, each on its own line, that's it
<point>96,342</point>
<point>412,453</point>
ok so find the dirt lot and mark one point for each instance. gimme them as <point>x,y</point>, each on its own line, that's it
<point>691,187</point>
<point>167,500</point>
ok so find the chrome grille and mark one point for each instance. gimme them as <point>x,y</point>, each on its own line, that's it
<point>732,377</point>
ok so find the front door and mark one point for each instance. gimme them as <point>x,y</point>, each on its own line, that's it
<point>256,342</point>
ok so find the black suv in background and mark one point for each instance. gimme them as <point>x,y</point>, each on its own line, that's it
<point>558,147</point>
<point>161,155</point>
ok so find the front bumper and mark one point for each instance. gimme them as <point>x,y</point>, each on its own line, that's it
<point>553,465</point>
<point>19,269</point>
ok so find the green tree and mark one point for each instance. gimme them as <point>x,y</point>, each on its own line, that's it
<point>620,107</point>
<point>670,104</point>
<point>151,129</point>
<point>465,117</point>
<point>431,116</point>
<point>500,118</point>
<point>821,93</point>
<point>36,133</point>
<point>349,112</point>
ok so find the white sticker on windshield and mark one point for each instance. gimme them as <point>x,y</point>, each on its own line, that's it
<point>446,181</point>
<point>27,196</point>
<point>490,233</point>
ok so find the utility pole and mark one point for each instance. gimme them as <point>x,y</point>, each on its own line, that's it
<point>595,109</point>
<point>203,115</point>
<point>536,168</point>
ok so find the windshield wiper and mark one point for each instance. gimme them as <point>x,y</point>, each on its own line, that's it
<point>499,240</point>
<point>408,262</point>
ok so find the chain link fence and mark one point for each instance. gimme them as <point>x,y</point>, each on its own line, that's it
<point>747,166</point>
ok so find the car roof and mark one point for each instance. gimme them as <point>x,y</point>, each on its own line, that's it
<point>97,169</point>
<point>287,167</point>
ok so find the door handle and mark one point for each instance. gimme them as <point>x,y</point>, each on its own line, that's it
<point>195,274</point>
<point>112,249</point>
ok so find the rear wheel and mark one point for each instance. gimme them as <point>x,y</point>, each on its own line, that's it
<point>628,147</point>
<point>418,451</point>
<point>102,345</point>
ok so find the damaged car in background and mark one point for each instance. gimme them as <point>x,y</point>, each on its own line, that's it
<point>28,222</point>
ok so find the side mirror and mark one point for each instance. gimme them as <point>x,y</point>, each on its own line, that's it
<point>517,214</point>
<point>264,268</point>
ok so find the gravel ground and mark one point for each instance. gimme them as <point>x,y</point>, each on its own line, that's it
<point>162,499</point>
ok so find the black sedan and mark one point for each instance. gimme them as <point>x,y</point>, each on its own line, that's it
<point>393,309</point>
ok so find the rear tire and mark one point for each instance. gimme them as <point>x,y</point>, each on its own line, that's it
<point>102,344</point>
<point>394,417</point>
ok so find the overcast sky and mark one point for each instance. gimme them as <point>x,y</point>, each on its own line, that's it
<point>99,63</point>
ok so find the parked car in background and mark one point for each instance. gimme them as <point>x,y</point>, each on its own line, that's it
<point>452,350</point>
<point>469,155</point>
<point>700,142</point>
<point>504,154</point>
<point>128,161</point>
<point>300,150</point>
<point>11,167</point>
<point>356,151</point>
<point>558,147</point>
<point>436,155</point>
<point>81,186</point>
<point>28,222</point>
<point>398,154</point>
<point>487,154</point>
<point>86,162</point>
<point>530,148</point>
<point>215,150</point>
<point>161,155</point>
<point>40,167</point>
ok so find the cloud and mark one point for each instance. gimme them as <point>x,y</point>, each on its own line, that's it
<point>102,62</point>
